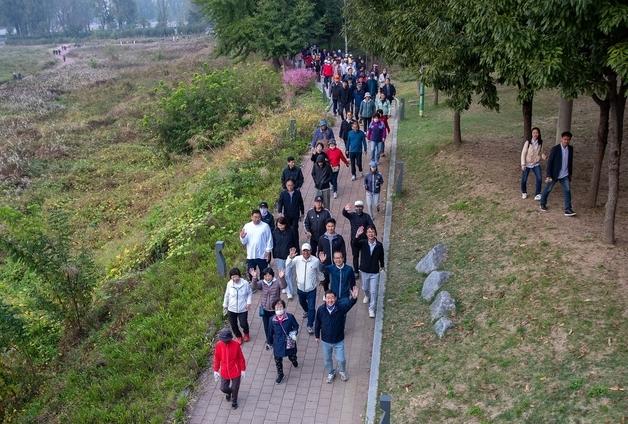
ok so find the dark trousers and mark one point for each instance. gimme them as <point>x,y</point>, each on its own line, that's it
<point>230,387</point>
<point>279,363</point>
<point>356,161</point>
<point>325,282</point>
<point>256,263</point>
<point>367,122</point>
<point>343,108</point>
<point>355,252</point>
<point>266,321</point>
<point>243,318</point>
<point>336,103</point>
<point>293,226</point>
<point>314,244</point>
<point>334,181</point>
<point>307,300</point>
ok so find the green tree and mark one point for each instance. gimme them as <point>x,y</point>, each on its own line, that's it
<point>124,12</point>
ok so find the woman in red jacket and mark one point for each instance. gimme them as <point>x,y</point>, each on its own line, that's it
<point>229,365</point>
<point>335,155</point>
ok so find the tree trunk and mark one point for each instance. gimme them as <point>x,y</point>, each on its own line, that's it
<point>617,100</point>
<point>526,107</point>
<point>276,63</point>
<point>435,96</point>
<point>602,140</point>
<point>457,131</point>
<point>563,124</point>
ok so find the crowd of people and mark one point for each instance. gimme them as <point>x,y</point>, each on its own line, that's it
<point>279,263</point>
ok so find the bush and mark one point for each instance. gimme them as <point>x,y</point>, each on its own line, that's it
<point>207,111</point>
<point>300,79</point>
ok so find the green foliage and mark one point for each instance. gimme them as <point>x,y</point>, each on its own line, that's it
<point>207,111</point>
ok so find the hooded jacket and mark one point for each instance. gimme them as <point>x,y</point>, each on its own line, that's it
<point>315,221</point>
<point>237,296</point>
<point>229,359</point>
<point>321,175</point>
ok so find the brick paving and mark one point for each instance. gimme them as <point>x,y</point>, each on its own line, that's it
<point>303,397</point>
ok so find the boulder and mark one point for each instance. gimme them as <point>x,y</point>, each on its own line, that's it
<point>433,283</point>
<point>433,259</point>
<point>442,325</point>
<point>443,306</point>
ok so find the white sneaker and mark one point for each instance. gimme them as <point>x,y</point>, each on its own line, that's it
<point>371,313</point>
<point>335,195</point>
<point>353,178</point>
<point>290,297</point>
<point>524,195</point>
<point>343,376</point>
<point>330,378</point>
<point>283,290</point>
<point>537,197</point>
<point>365,300</point>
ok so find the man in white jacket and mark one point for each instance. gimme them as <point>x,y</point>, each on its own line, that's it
<point>236,304</point>
<point>308,275</point>
<point>257,237</point>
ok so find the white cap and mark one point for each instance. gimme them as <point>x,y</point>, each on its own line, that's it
<point>306,246</point>
<point>358,203</point>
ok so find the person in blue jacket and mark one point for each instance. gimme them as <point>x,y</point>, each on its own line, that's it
<point>341,276</point>
<point>356,144</point>
<point>283,336</point>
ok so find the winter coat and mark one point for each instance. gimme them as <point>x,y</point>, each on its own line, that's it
<point>372,86</point>
<point>345,96</point>
<point>390,91</point>
<point>294,174</point>
<point>330,244</point>
<point>324,136</point>
<point>373,182</point>
<point>291,206</point>
<point>345,127</point>
<point>371,262</point>
<point>335,90</point>
<point>270,292</point>
<point>229,359</point>
<point>357,220</point>
<point>321,175</point>
<point>356,142</point>
<point>330,326</point>
<point>341,280</point>
<point>367,109</point>
<point>383,105</point>
<point>282,242</point>
<point>358,98</point>
<point>307,272</point>
<point>377,131</point>
<point>237,296</point>
<point>279,331</point>
<point>336,156</point>
<point>315,222</point>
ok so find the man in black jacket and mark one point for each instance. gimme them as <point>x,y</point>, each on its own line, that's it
<point>321,173</point>
<point>371,264</point>
<point>315,221</point>
<point>357,219</point>
<point>267,216</point>
<point>283,241</point>
<point>345,127</point>
<point>335,90</point>
<point>292,172</point>
<point>389,90</point>
<point>290,205</point>
<point>329,330</point>
<point>344,100</point>
<point>559,169</point>
<point>329,243</point>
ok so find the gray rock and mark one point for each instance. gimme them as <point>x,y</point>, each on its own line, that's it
<point>433,283</point>
<point>433,259</point>
<point>442,325</point>
<point>443,306</point>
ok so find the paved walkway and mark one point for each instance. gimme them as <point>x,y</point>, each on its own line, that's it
<point>304,396</point>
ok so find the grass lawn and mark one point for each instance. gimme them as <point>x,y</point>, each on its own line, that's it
<point>24,59</point>
<point>540,332</point>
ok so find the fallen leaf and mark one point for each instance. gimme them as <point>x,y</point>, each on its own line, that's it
<point>527,388</point>
<point>418,324</point>
<point>616,389</point>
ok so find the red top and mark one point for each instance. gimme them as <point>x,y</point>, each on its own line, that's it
<point>335,156</point>
<point>228,358</point>
<point>328,70</point>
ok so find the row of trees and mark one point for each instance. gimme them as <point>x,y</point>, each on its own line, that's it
<point>27,18</point>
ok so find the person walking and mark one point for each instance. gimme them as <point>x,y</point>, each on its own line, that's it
<point>341,276</point>
<point>335,92</point>
<point>358,97</point>
<point>372,85</point>
<point>283,241</point>
<point>389,90</point>
<point>283,337</point>
<point>322,134</point>
<point>335,156</point>
<point>367,110</point>
<point>271,292</point>
<point>328,72</point>
<point>357,219</point>
<point>373,182</point>
<point>329,243</point>
<point>356,144</point>
<point>344,99</point>
<point>345,127</point>
<point>559,169</point>
<point>314,222</point>
<point>229,366</point>
<point>531,156</point>
<point>329,330</point>
<point>307,274</point>
<point>236,304</point>
<point>371,264</point>
<point>321,174</point>
<point>257,237</point>
<point>292,172</point>
<point>290,205</point>
<point>267,216</point>
<point>377,136</point>
<point>382,106</point>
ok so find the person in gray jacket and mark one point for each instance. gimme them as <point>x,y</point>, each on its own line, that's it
<point>373,182</point>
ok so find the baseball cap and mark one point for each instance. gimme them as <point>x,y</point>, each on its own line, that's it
<point>373,164</point>
<point>318,199</point>
<point>358,203</point>
<point>306,246</point>
<point>263,205</point>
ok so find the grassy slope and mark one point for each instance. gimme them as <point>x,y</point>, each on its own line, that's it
<point>25,59</point>
<point>538,337</point>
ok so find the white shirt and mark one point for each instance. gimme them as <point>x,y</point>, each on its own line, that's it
<point>564,169</point>
<point>258,240</point>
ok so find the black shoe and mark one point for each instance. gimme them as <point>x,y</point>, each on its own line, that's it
<point>570,212</point>
<point>279,379</point>
<point>234,404</point>
<point>295,364</point>
<point>267,347</point>
<point>304,315</point>
<point>228,397</point>
<point>543,208</point>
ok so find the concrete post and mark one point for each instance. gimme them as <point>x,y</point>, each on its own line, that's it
<point>221,263</point>
<point>399,179</point>
<point>293,130</point>
<point>402,108</point>
<point>384,403</point>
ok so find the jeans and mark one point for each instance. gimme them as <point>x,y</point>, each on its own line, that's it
<point>372,201</point>
<point>281,265</point>
<point>537,177</point>
<point>370,285</point>
<point>307,300</point>
<point>564,182</point>
<point>356,161</point>
<point>338,349</point>
<point>367,122</point>
<point>231,387</point>
<point>243,318</point>
<point>325,194</point>
<point>376,150</point>
<point>334,181</point>
<point>266,321</point>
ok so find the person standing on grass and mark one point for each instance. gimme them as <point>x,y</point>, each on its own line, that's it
<point>236,304</point>
<point>329,330</point>
<point>283,241</point>
<point>292,172</point>
<point>307,274</point>
<point>290,205</point>
<point>258,239</point>
<point>559,169</point>
<point>330,243</point>
<point>229,366</point>
<point>377,136</point>
<point>341,276</point>
<point>373,182</point>
<point>323,134</point>
<point>271,292</point>
<point>367,110</point>
<point>357,219</point>
<point>345,127</point>
<point>267,216</point>
<point>371,264</point>
<point>531,156</point>
<point>314,222</point>
<point>335,156</point>
<point>283,337</point>
<point>321,174</point>
<point>355,144</point>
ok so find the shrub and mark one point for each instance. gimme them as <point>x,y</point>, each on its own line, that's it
<point>300,79</point>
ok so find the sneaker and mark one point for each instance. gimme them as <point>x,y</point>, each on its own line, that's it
<point>365,300</point>
<point>228,397</point>
<point>246,338</point>
<point>569,212</point>
<point>239,340</point>
<point>283,290</point>
<point>543,208</point>
<point>304,315</point>
<point>343,376</point>
<point>371,313</point>
<point>353,178</point>
<point>279,379</point>
<point>295,364</point>
<point>330,378</point>
<point>524,195</point>
<point>335,195</point>
<point>310,330</point>
<point>234,404</point>
<point>537,197</point>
